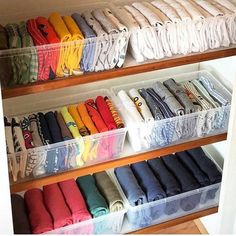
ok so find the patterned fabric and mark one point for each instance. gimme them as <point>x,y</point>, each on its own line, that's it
<point>115,114</point>
<point>25,126</point>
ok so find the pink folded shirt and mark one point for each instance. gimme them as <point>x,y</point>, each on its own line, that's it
<point>55,202</point>
<point>39,217</point>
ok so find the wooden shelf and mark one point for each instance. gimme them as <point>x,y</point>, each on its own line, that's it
<point>128,69</point>
<point>39,182</point>
<point>155,228</point>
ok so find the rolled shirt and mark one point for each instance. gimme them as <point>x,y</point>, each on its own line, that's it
<point>96,203</point>
<point>168,98</point>
<point>56,205</point>
<point>148,182</point>
<point>109,191</point>
<point>21,224</point>
<point>114,113</point>
<point>40,219</point>
<point>206,165</point>
<point>95,116</point>
<point>74,200</point>
<point>105,113</point>
<point>179,93</point>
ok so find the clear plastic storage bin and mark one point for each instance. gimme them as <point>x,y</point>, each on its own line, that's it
<point>172,207</point>
<point>71,57</point>
<point>160,133</point>
<point>98,148</point>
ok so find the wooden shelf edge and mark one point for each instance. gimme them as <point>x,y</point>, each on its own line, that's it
<point>39,182</point>
<point>110,74</point>
<point>154,228</point>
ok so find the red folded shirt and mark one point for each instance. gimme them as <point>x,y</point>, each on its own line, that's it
<point>74,200</point>
<point>44,56</point>
<point>95,116</point>
<point>105,113</point>
<point>39,217</point>
<point>56,205</point>
<point>50,35</point>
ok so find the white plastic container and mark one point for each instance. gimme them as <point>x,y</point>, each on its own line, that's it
<point>102,147</point>
<point>172,207</point>
<point>150,135</point>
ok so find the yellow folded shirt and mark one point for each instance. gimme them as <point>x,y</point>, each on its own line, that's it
<point>76,49</point>
<point>75,133</point>
<point>63,68</point>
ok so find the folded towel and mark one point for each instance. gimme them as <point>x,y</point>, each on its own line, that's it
<point>167,179</point>
<point>114,113</point>
<point>168,98</point>
<point>135,196</point>
<point>39,217</point>
<point>3,38</point>
<point>74,200</point>
<point>20,219</point>
<point>180,95</point>
<point>105,113</point>
<point>206,165</point>
<point>95,116</point>
<point>109,191</point>
<point>86,118</point>
<point>191,165</point>
<point>141,105</point>
<point>96,203</point>
<point>148,182</point>
<point>75,115</point>
<point>56,205</point>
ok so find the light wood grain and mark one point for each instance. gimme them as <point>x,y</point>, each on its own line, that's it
<point>177,221</point>
<point>35,183</point>
<point>110,74</point>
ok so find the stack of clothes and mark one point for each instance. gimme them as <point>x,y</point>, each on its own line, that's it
<point>65,45</point>
<point>164,177</point>
<point>164,28</point>
<point>65,137</point>
<point>154,114</point>
<point>68,202</point>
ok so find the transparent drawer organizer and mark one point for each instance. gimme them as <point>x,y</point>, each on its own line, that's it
<point>171,207</point>
<point>101,147</point>
<point>180,35</point>
<point>97,54</point>
<point>151,135</point>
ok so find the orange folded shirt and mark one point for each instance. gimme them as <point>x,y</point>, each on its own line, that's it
<point>81,108</point>
<point>95,116</point>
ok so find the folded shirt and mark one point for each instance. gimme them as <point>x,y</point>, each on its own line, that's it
<point>148,182</point>
<point>74,200</point>
<point>21,223</point>
<point>40,218</point>
<point>109,191</point>
<point>206,165</point>
<point>56,205</point>
<point>95,201</point>
<point>167,179</point>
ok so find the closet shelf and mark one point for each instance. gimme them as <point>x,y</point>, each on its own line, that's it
<point>137,157</point>
<point>130,68</point>
<point>180,220</point>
